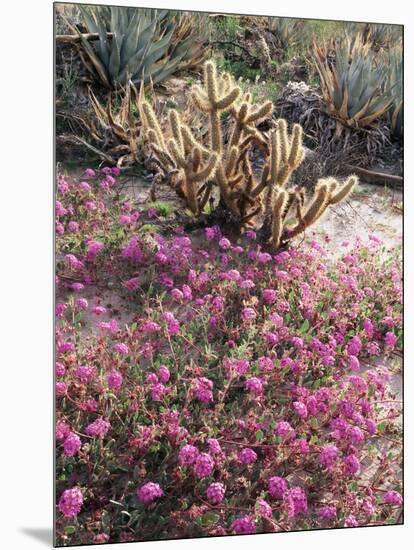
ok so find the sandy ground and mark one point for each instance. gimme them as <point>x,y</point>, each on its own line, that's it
<point>373,209</point>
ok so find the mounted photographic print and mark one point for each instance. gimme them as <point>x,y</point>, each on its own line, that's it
<point>228,353</point>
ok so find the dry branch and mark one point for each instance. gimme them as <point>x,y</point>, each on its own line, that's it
<point>375,177</point>
<point>75,38</point>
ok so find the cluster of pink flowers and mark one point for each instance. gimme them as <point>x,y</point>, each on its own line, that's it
<point>98,428</point>
<point>203,465</point>
<point>215,492</point>
<point>72,444</point>
<point>70,502</point>
<point>149,492</point>
<point>244,526</point>
<point>247,456</point>
<point>296,501</point>
<point>203,390</point>
<point>228,373</point>
<point>115,380</point>
<point>277,487</point>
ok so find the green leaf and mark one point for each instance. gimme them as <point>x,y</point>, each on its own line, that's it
<point>70,529</point>
<point>209,519</point>
<point>381,427</point>
<point>305,326</point>
<point>259,435</point>
<point>354,486</point>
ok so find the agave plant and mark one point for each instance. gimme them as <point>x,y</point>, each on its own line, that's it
<point>286,32</point>
<point>394,85</point>
<point>353,86</point>
<point>139,44</point>
<point>382,36</point>
<point>114,132</point>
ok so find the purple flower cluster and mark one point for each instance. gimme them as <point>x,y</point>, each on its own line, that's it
<point>149,492</point>
<point>70,502</point>
<point>98,428</point>
<point>244,526</point>
<point>215,492</point>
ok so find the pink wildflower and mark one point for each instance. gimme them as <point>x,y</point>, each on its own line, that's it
<point>244,526</point>
<point>264,509</point>
<point>164,374</point>
<point>352,465</point>
<point>296,501</point>
<point>72,444</point>
<point>247,456</point>
<point>254,385</point>
<point>328,512</point>
<point>98,428</point>
<point>149,492</point>
<point>224,243</point>
<point>248,314</point>
<point>82,303</point>
<point>269,296</point>
<point>277,487</point>
<point>121,348</point>
<point>204,465</point>
<point>351,521</point>
<point>393,497</point>
<point>390,340</point>
<point>70,502</point>
<point>98,310</point>
<point>115,380</point>
<point>188,455</point>
<point>61,389</point>
<point>328,456</point>
<point>215,492</point>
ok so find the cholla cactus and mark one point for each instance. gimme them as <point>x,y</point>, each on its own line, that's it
<point>195,168</point>
<point>286,155</point>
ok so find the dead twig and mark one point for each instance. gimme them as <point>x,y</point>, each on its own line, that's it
<point>375,177</point>
<point>75,38</point>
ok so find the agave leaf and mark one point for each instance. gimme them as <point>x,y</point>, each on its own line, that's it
<point>114,60</point>
<point>164,70</point>
<point>134,65</point>
<point>157,50</point>
<point>103,40</point>
<point>89,19</point>
<point>97,63</point>
<point>395,115</point>
<point>376,114</point>
<point>117,128</point>
<point>131,38</point>
<point>147,34</point>
<point>97,107</point>
<point>114,19</point>
<point>343,111</point>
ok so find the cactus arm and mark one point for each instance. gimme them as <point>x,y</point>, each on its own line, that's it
<point>175,124</point>
<point>207,171</point>
<point>277,221</point>
<point>296,146</point>
<point>261,112</point>
<point>314,211</point>
<point>344,191</point>
<point>227,100</point>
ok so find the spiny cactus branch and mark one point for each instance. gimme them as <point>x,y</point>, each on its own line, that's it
<point>267,203</point>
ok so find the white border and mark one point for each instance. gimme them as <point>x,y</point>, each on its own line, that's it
<point>27,272</point>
